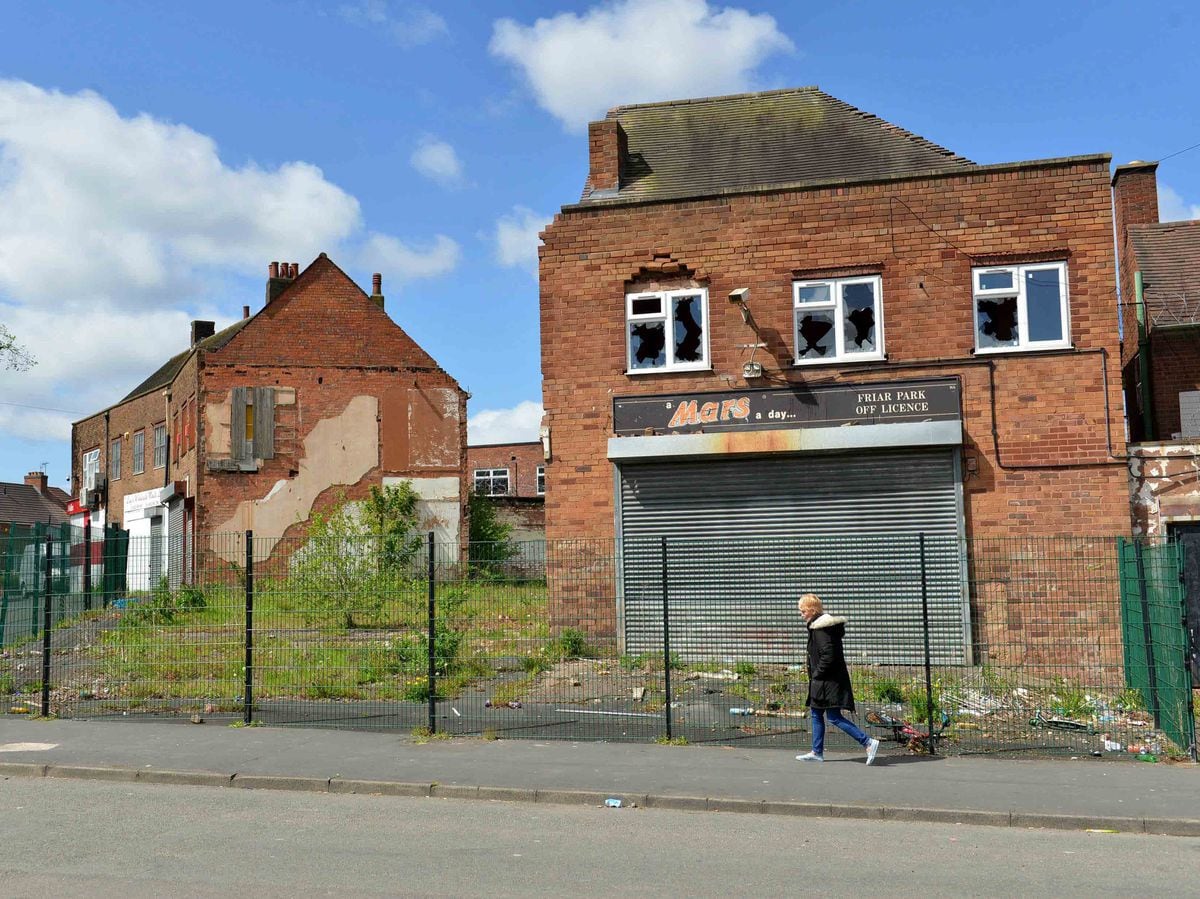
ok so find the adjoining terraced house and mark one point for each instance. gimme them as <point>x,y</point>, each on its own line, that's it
<point>316,395</point>
<point>791,337</point>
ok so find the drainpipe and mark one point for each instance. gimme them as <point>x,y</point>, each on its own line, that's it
<point>1144,361</point>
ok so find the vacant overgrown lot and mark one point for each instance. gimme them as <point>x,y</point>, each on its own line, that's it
<point>497,661</point>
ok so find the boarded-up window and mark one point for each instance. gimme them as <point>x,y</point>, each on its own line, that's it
<point>252,424</point>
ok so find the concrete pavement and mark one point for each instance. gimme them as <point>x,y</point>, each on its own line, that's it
<point>1082,794</point>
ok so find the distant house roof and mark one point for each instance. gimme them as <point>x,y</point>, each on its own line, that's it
<point>1168,256</point>
<point>168,370</point>
<point>23,504</point>
<point>718,144</point>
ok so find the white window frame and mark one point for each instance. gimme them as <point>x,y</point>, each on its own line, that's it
<point>114,459</point>
<point>836,304</point>
<point>666,315</point>
<point>91,468</point>
<point>490,476</point>
<point>162,428</point>
<point>1023,344</point>
<point>540,481</point>
<point>139,451</point>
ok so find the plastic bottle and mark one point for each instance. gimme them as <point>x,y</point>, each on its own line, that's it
<point>741,711</point>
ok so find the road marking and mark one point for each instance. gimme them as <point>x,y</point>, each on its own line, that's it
<point>27,747</point>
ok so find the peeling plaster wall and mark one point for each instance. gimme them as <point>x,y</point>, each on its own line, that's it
<point>338,451</point>
<point>440,507</point>
<point>1163,490</point>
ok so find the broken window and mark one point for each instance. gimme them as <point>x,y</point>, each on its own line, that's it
<point>541,480</point>
<point>491,481</point>
<point>667,330</point>
<point>1021,307</point>
<point>91,468</point>
<point>838,320</point>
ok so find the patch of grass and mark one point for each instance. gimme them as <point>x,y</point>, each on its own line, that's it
<point>489,734</point>
<point>919,701</point>
<point>253,723</point>
<point>745,669</point>
<point>1071,701</point>
<point>423,734</point>
<point>570,644</point>
<point>7,685</point>
<point>1130,700</point>
<point>502,694</point>
<point>663,740</point>
<point>887,689</point>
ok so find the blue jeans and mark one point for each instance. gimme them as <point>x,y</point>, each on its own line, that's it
<point>837,720</point>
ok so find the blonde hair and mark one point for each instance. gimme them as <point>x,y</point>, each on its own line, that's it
<point>811,601</point>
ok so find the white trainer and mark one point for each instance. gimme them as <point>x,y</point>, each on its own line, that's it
<point>872,748</point>
<point>810,757</point>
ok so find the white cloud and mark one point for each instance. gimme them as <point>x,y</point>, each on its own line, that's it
<point>405,263</point>
<point>520,424</point>
<point>436,160</point>
<point>636,51</point>
<point>406,24</point>
<point>1173,208</point>
<point>517,238</point>
<point>114,229</point>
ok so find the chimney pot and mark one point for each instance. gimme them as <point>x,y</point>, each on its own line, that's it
<point>293,270</point>
<point>273,270</point>
<point>245,312</point>
<point>377,283</point>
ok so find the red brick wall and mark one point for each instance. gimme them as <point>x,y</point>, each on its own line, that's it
<point>521,460</point>
<point>1135,202</point>
<point>1051,409</point>
<point>1175,367</point>
<point>325,339</point>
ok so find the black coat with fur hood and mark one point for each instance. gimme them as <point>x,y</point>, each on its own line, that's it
<point>828,678</point>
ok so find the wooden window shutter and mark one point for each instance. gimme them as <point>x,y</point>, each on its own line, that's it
<point>237,424</point>
<point>264,422</point>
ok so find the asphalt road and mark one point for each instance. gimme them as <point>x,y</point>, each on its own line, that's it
<point>82,838</point>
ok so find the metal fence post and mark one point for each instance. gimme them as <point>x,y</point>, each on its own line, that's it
<point>247,695</point>
<point>1147,633</point>
<point>666,612</point>
<point>1188,717</point>
<point>48,594</point>
<point>431,683</point>
<point>928,658</point>
<point>87,562</point>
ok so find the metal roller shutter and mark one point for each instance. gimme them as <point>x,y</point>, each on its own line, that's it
<point>747,536</point>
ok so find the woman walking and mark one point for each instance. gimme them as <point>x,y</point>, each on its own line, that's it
<point>829,689</point>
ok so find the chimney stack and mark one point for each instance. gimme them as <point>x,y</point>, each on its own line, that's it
<point>37,480</point>
<point>201,330</point>
<point>377,289</point>
<point>606,152</point>
<point>245,312</point>
<point>1135,202</point>
<point>279,276</point>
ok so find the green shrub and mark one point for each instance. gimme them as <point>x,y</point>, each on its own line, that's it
<point>920,702</point>
<point>7,685</point>
<point>1130,700</point>
<point>888,689</point>
<point>745,669</point>
<point>570,644</point>
<point>491,546</point>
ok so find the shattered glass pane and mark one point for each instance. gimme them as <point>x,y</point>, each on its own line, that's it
<point>646,306</point>
<point>689,330</point>
<point>647,345</point>
<point>1043,304</point>
<point>815,335</point>
<point>814,293</point>
<point>1001,280</point>
<point>996,321</point>
<point>858,304</point>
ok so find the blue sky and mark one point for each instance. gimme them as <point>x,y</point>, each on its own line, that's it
<point>154,157</point>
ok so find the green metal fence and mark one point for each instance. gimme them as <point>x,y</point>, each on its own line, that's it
<point>1061,646</point>
<point>1155,635</point>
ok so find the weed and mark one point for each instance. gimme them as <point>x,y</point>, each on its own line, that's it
<point>239,723</point>
<point>570,644</point>
<point>1130,700</point>
<point>1071,701</point>
<point>664,740</point>
<point>535,664</point>
<point>7,685</point>
<point>745,669</point>
<point>919,701</point>
<point>887,689</point>
<point>489,734</point>
<point>505,693</point>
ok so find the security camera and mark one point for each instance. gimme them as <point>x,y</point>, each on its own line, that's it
<point>741,295</point>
